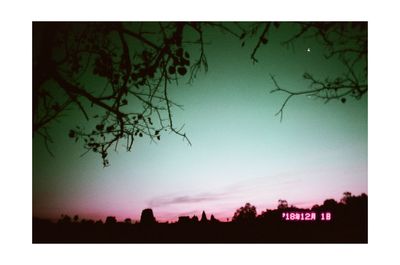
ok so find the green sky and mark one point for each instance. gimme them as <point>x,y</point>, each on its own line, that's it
<point>240,151</point>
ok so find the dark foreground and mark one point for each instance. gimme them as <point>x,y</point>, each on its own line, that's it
<point>292,232</point>
<point>344,222</point>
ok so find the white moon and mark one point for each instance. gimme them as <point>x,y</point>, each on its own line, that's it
<point>308,50</point>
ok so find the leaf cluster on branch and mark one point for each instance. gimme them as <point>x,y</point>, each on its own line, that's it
<point>119,71</point>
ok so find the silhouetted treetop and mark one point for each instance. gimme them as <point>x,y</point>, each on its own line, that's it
<point>76,218</point>
<point>346,197</point>
<point>282,204</point>
<point>246,213</point>
<point>330,203</point>
<point>111,220</point>
<point>334,223</point>
<point>65,219</point>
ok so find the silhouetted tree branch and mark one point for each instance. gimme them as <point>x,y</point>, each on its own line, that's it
<point>262,40</point>
<point>118,74</point>
<point>347,42</point>
<point>135,68</point>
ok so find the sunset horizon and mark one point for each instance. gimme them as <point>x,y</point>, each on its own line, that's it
<point>186,117</point>
<point>168,216</point>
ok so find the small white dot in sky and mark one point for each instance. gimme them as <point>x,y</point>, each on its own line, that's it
<point>308,50</point>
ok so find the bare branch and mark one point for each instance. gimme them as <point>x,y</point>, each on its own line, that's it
<point>261,40</point>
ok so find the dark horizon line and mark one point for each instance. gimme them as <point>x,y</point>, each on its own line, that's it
<point>225,220</point>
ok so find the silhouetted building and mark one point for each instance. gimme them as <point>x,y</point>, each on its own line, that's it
<point>213,219</point>
<point>204,218</point>
<point>334,222</point>
<point>195,219</point>
<point>184,220</point>
<point>147,217</point>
